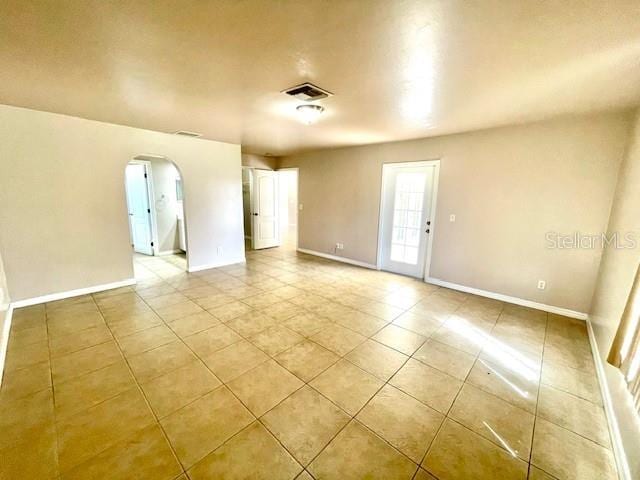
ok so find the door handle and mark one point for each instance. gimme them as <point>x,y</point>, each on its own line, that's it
<point>256,214</point>
<point>427,230</point>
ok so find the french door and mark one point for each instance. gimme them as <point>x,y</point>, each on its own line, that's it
<point>407,192</point>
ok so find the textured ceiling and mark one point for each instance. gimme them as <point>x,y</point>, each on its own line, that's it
<point>398,69</point>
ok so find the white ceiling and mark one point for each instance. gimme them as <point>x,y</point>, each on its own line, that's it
<point>398,69</point>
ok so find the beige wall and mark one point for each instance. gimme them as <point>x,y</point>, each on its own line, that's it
<point>614,282</point>
<point>259,161</point>
<point>4,294</point>
<point>4,305</point>
<point>62,199</point>
<point>507,186</point>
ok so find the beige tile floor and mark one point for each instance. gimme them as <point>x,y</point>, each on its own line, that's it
<point>295,367</point>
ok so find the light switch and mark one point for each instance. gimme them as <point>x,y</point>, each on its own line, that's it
<point>452,218</point>
<point>300,207</point>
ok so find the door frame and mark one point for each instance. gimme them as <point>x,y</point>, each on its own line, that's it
<point>297,170</point>
<point>432,215</point>
<point>252,204</point>
<point>155,249</point>
<point>250,170</point>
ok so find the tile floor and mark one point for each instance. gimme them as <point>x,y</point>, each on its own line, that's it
<point>295,367</point>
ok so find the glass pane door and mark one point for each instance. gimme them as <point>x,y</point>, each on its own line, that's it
<point>407,215</point>
<point>406,207</point>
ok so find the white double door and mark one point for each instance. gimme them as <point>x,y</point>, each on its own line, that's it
<point>265,223</point>
<point>405,217</point>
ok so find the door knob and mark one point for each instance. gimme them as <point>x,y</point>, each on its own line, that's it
<point>256,214</point>
<point>427,230</point>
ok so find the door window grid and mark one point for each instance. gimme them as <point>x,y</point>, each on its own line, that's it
<point>407,213</point>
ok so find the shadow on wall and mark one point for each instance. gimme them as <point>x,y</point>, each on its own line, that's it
<point>155,203</point>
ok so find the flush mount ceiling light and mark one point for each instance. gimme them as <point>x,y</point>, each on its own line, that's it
<point>309,113</point>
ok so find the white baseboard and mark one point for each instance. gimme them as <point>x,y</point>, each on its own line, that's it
<point>338,259</point>
<point>168,252</point>
<point>619,454</point>
<point>222,263</point>
<point>72,293</point>
<point>506,298</point>
<point>4,339</point>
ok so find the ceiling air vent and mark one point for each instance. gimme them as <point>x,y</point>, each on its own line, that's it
<point>307,92</point>
<point>186,133</point>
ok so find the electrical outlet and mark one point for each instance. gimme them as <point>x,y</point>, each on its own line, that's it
<point>542,284</point>
<point>219,250</point>
<point>339,246</point>
<point>452,218</point>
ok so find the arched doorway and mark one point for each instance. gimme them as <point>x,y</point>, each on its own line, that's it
<point>157,223</point>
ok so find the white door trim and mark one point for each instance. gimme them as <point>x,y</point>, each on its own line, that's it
<point>619,453</point>
<point>152,203</point>
<point>248,235</point>
<point>508,299</point>
<point>350,261</point>
<point>432,214</point>
<point>4,339</point>
<point>251,207</point>
<point>52,297</point>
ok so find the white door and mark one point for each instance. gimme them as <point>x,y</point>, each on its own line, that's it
<point>406,213</point>
<point>264,209</point>
<point>139,211</point>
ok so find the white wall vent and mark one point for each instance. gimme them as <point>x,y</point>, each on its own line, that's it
<point>307,92</point>
<point>186,133</point>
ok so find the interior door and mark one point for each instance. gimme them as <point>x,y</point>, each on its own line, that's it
<point>139,211</point>
<point>406,210</point>
<point>264,209</point>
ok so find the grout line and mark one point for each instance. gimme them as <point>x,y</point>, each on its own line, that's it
<point>307,383</point>
<point>144,396</point>
<point>353,417</point>
<point>53,395</point>
<point>535,418</point>
<point>489,393</point>
<point>229,389</point>
<point>446,415</point>
<point>312,272</point>
<point>223,384</point>
<point>557,387</point>
<point>302,386</point>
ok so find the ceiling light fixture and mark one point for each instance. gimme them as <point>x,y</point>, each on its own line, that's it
<point>309,113</point>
